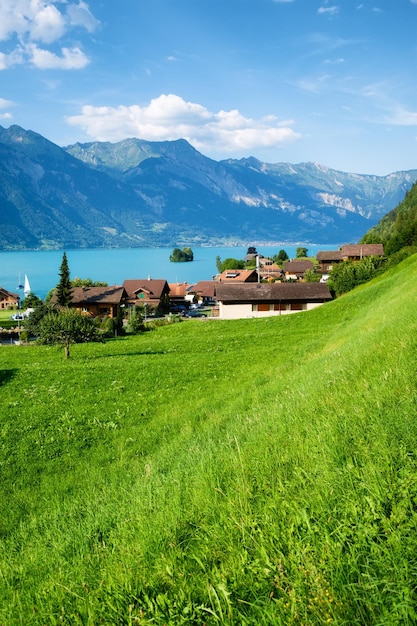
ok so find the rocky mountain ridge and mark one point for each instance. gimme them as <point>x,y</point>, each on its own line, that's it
<point>141,193</point>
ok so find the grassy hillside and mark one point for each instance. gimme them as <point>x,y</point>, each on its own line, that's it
<point>213,472</point>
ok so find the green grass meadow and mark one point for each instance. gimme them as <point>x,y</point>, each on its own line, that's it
<point>217,472</point>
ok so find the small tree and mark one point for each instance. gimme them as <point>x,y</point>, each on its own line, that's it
<point>63,288</point>
<point>232,264</point>
<point>66,327</point>
<point>32,324</point>
<point>311,276</point>
<point>31,301</point>
<point>281,257</point>
<point>136,324</point>
<point>301,253</point>
<point>87,282</point>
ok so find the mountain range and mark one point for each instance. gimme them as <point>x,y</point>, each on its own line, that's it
<point>142,193</point>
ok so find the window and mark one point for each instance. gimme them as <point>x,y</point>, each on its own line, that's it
<point>278,306</point>
<point>296,306</point>
<point>263,307</point>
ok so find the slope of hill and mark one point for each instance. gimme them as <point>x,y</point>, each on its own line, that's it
<point>277,485</point>
<point>397,229</point>
<point>140,193</point>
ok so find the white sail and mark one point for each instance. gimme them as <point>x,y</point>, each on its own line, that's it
<point>26,288</point>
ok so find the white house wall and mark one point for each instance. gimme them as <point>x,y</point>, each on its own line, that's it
<point>247,310</point>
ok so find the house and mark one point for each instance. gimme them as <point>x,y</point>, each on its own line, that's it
<point>8,300</point>
<point>238,276</point>
<point>349,252</point>
<point>266,299</point>
<point>177,295</point>
<point>356,252</point>
<point>269,270</point>
<point>98,301</point>
<point>152,292</point>
<point>327,259</point>
<point>205,290</point>
<point>295,270</point>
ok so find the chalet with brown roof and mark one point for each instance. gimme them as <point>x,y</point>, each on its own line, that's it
<point>266,299</point>
<point>205,290</point>
<point>177,293</point>
<point>356,252</point>
<point>349,252</point>
<point>98,301</point>
<point>153,292</point>
<point>327,259</point>
<point>238,276</point>
<point>295,270</point>
<point>8,299</point>
<point>268,270</point>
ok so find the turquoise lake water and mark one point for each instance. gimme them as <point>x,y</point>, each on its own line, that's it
<point>116,265</point>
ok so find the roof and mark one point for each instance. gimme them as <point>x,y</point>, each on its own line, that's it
<point>298,266</point>
<point>8,294</point>
<point>204,288</point>
<point>364,249</point>
<point>155,287</point>
<point>329,255</point>
<point>278,292</point>
<point>238,276</point>
<point>178,290</point>
<point>97,295</point>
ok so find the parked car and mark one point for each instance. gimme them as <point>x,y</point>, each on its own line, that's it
<point>194,313</point>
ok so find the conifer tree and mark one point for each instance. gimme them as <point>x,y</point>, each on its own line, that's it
<point>63,289</point>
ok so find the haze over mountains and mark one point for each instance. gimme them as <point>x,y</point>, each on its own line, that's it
<point>141,193</point>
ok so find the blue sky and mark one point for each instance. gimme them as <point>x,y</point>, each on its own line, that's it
<point>282,80</point>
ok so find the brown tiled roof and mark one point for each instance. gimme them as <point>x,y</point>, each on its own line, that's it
<point>329,255</point>
<point>237,276</point>
<point>298,266</point>
<point>364,249</point>
<point>267,292</point>
<point>153,286</point>
<point>204,288</point>
<point>8,294</point>
<point>177,290</point>
<point>97,295</point>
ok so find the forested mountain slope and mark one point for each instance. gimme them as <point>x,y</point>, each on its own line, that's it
<point>397,229</point>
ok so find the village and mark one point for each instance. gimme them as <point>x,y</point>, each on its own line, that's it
<point>264,290</point>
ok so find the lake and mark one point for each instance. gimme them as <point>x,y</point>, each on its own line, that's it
<point>116,265</point>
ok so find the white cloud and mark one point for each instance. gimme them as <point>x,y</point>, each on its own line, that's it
<point>72,58</point>
<point>5,104</point>
<point>80,15</point>
<point>29,22</point>
<point>169,117</point>
<point>328,10</point>
<point>8,60</point>
<point>402,117</point>
<point>47,25</point>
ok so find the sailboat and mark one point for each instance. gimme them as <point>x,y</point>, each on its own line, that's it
<point>26,287</point>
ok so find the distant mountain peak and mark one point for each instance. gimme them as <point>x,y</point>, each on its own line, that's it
<point>143,193</point>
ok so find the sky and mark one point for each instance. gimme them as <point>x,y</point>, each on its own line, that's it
<point>329,81</point>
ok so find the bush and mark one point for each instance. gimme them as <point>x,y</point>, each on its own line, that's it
<point>347,275</point>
